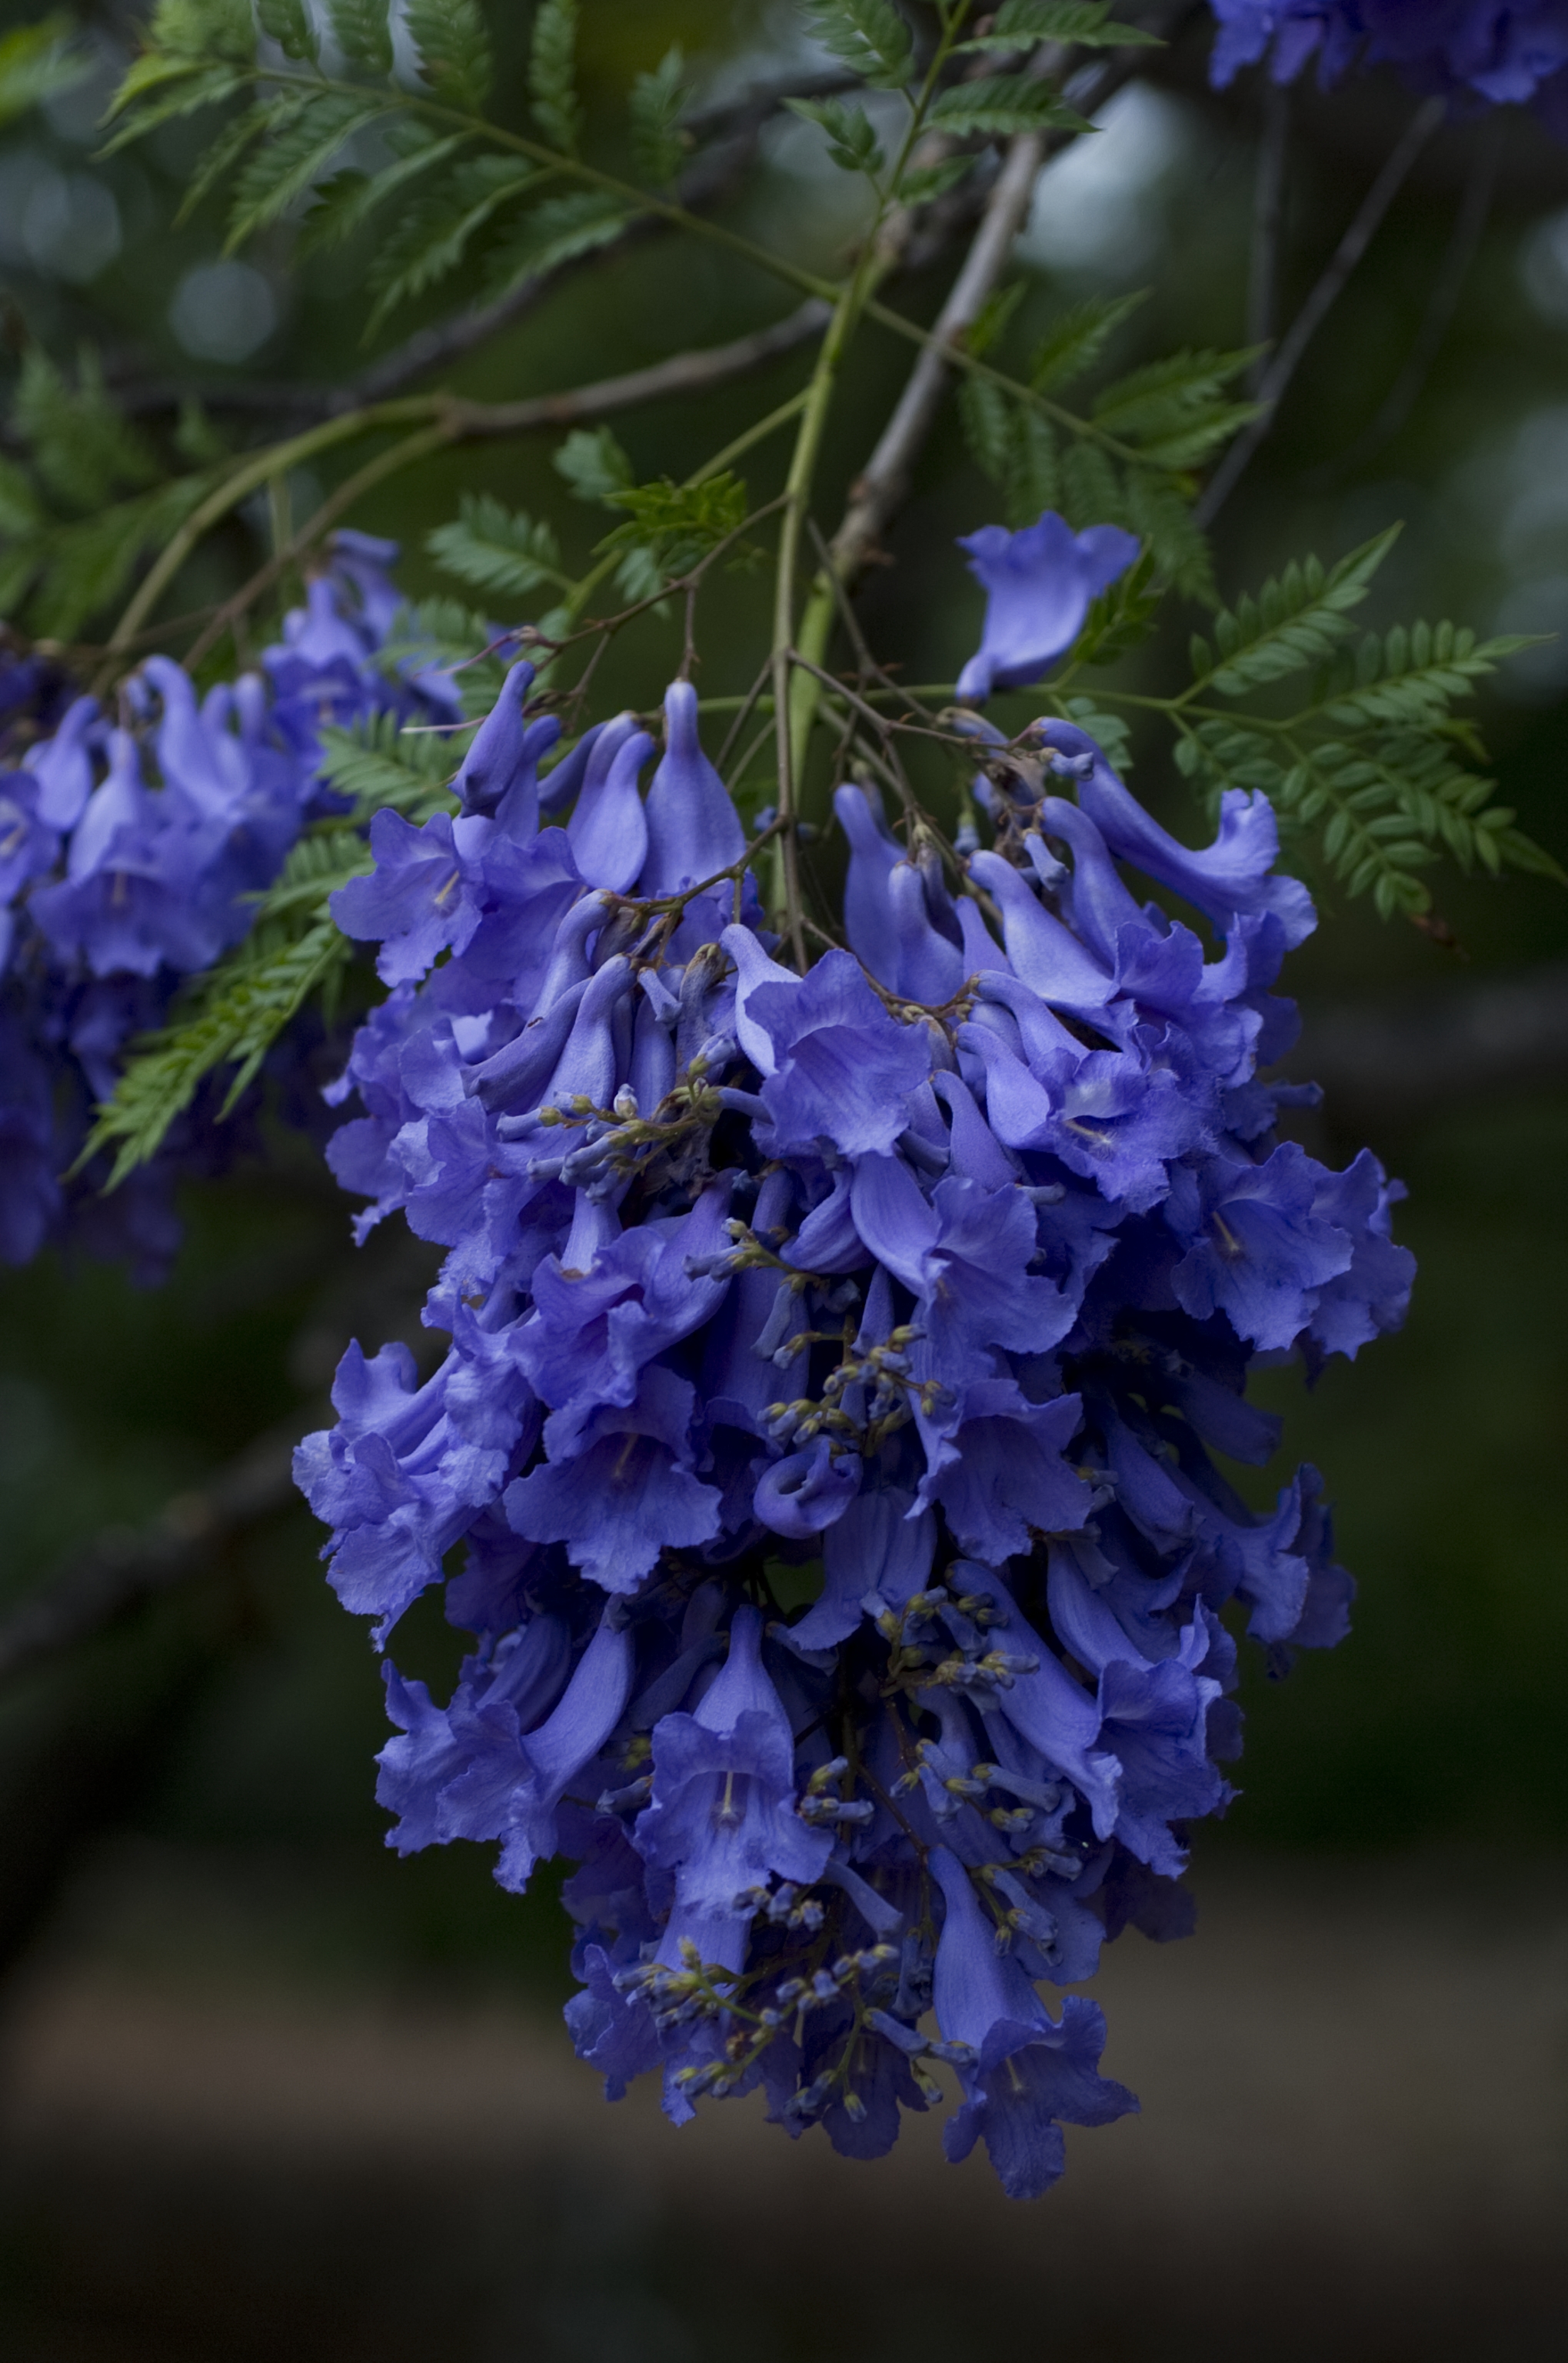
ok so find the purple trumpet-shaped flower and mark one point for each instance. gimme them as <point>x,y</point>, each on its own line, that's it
<point>965,1254</point>
<point>1024,2074</point>
<point>625,1491</point>
<point>807,1491</point>
<point>1038,585</point>
<point>876,1553</point>
<point>1257,1249</point>
<point>1154,1713</point>
<point>838,1067</point>
<point>723,1817</point>
<point>503,757</point>
<point>999,1469</point>
<point>608,831</point>
<point>404,1472</point>
<point>693,828</point>
<point>62,766</point>
<point>493,1705</point>
<point>418,901</point>
<point>1232,878</point>
<point>130,901</point>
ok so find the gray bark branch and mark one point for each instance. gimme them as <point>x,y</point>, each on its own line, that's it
<point>1324,296</point>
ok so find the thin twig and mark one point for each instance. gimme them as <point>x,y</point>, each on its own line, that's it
<point>118,1572</point>
<point>444,418</point>
<point>1268,220</point>
<point>364,480</point>
<point>1469,227</point>
<point>744,712</point>
<point>687,372</point>
<point>1293,345</point>
<point>884,479</point>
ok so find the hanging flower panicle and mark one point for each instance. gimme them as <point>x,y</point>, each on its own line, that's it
<point>836,1363</point>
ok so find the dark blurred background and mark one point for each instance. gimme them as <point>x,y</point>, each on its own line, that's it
<point>268,2089</point>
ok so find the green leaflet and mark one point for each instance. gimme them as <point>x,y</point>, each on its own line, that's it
<point>205,29</point>
<point>552,74</point>
<point>434,236</point>
<point>304,140</point>
<point>362,32</point>
<point>1175,404</point>
<point>1295,622</point>
<point>84,451</point>
<point>221,156</point>
<point>592,462</point>
<point>926,182</point>
<point>290,24</point>
<point>868,36</point>
<point>1408,675</point>
<point>1121,618</point>
<point>1021,24</point>
<point>853,144</point>
<point>1076,338</point>
<point>1172,398</point>
<point>346,203</point>
<point>454,50</point>
<point>1001,106</point>
<point>1374,765</point>
<point>378,763</point>
<point>235,1012</point>
<point>654,111</point>
<point>670,526</point>
<point>1092,490</point>
<point>557,230</point>
<point>21,511</point>
<point>496,550</point>
<point>79,568</point>
<point>1158,514</point>
<point>1015,446</point>
<point>186,87</point>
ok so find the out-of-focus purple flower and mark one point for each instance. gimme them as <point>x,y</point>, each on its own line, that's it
<point>1038,584</point>
<point>1499,51</point>
<point>27,845</point>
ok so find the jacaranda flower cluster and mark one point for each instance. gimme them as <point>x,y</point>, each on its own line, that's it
<point>112,889</point>
<point>834,1366</point>
<point>1491,52</point>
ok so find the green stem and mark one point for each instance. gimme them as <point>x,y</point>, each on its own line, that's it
<point>386,464</point>
<point>756,434</point>
<point>247,478</point>
<point>791,743</point>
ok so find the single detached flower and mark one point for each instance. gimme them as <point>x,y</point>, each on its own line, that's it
<point>1038,585</point>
